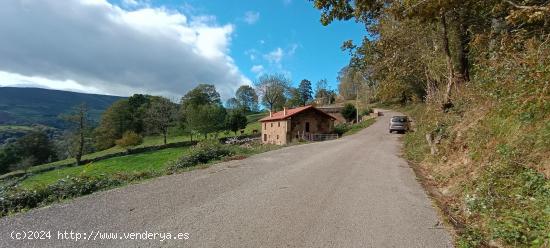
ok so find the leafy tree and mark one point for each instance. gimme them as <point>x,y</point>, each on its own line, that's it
<point>235,121</point>
<point>349,112</point>
<point>272,89</point>
<point>294,98</point>
<point>9,155</point>
<point>206,118</point>
<point>247,98</point>
<point>36,144</point>
<point>160,116</point>
<point>138,105</point>
<point>80,133</point>
<point>115,121</point>
<point>232,103</point>
<point>323,95</point>
<point>352,81</point>
<point>203,94</point>
<point>201,110</point>
<point>305,91</point>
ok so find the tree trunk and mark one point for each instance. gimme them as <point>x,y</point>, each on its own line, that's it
<point>463,49</point>
<point>450,71</point>
<point>164,133</point>
<point>81,138</point>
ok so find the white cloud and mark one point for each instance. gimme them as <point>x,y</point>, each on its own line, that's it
<point>275,56</point>
<point>251,17</point>
<point>92,45</point>
<point>257,69</point>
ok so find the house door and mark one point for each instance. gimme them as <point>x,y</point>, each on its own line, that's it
<point>307,127</point>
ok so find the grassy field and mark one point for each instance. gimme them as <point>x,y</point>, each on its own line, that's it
<point>150,161</point>
<point>174,137</point>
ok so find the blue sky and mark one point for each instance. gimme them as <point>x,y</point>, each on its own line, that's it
<point>166,47</point>
<point>310,50</point>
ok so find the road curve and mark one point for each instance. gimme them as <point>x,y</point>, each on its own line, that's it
<point>351,192</point>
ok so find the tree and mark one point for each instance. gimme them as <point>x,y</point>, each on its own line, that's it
<point>323,95</point>
<point>232,103</point>
<point>272,89</point>
<point>352,81</point>
<point>160,116</point>
<point>235,121</point>
<point>138,105</point>
<point>36,144</point>
<point>206,118</point>
<point>349,112</point>
<point>247,98</point>
<point>201,110</point>
<point>305,91</point>
<point>10,154</point>
<point>79,135</point>
<point>115,121</point>
<point>203,94</point>
<point>294,98</point>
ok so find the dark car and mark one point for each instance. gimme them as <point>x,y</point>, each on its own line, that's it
<point>400,124</point>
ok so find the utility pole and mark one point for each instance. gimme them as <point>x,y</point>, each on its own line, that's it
<point>356,104</point>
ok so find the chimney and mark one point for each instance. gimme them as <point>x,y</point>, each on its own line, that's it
<point>284,111</point>
<point>270,113</point>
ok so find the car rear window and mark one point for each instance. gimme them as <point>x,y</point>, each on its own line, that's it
<point>399,119</point>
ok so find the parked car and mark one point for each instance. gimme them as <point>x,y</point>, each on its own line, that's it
<point>400,124</point>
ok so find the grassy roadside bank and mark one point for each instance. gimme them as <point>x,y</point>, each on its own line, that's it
<point>486,174</point>
<point>59,185</point>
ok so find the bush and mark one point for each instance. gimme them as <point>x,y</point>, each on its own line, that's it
<point>202,153</point>
<point>19,199</point>
<point>129,139</point>
<point>349,112</point>
<point>367,111</point>
<point>340,129</point>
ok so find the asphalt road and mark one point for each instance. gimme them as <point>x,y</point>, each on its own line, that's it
<point>351,192</point>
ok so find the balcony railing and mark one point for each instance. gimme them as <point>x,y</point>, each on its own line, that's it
<point>319,137</point>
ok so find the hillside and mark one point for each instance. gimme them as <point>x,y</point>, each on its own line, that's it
<point>29,106</point>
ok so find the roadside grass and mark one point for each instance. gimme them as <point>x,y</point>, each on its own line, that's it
<point>154,162</point>
<point>346,129</point>
<point>490,169</point>
<point>63,184</point>
<point>353,129</point>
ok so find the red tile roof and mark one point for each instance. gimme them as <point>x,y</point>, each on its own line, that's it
<point>290,112</point>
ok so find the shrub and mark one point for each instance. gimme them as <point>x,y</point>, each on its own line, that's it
<point>129,139</point>
<point>340,129</point>
<point>16,200</point>
<point>349,112</point>
<point>202,153</point>
<point>367,111</point>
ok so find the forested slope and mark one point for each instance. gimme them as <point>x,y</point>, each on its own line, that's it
<point>474,76</point>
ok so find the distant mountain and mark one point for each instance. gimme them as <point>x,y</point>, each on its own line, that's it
<point>29,106</point>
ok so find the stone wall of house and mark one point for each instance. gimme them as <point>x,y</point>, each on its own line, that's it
<point>274,132</point>
<point>318,124</point>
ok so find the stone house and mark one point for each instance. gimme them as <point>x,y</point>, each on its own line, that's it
<point>290,125</point>
<point>335,111</point>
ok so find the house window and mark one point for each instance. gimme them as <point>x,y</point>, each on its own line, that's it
<point>279,123</point>
<point>265,126</point>
<point>271,124</point>
<point>265,137</point>
<point>307,127</point>
<point>277,136</point>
